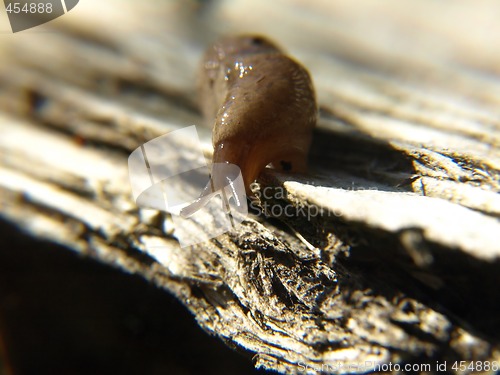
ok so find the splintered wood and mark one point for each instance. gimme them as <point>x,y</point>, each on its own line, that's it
<point>385,253</point>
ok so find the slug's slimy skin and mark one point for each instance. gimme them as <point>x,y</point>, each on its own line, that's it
<point>261,104</point>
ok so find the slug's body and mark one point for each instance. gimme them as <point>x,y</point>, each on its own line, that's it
<point>261,104</point>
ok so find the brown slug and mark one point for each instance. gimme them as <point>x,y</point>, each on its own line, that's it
<point>261,104</point>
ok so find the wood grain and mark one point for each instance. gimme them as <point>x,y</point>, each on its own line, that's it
<point>391,252</point>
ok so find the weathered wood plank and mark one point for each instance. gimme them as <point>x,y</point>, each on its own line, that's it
<point>390,253</point>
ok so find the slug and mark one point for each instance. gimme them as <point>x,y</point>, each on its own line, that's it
<point>261,104</point>
<point>262,107</point>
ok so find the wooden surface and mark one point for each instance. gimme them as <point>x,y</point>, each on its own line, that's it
<point>401,267</point>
